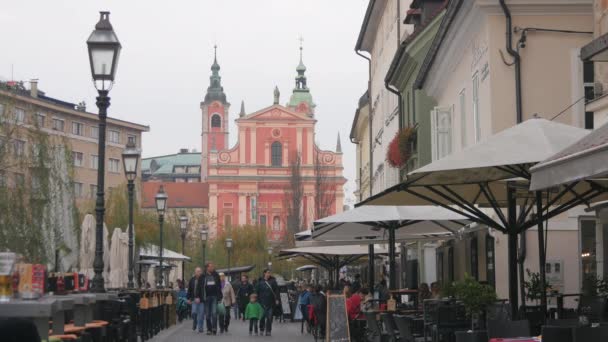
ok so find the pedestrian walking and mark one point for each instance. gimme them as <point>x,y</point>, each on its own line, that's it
<point>228,299</point>
<point>268,295</point>
<point>253,312</point>
<point>212,294</point>
<point>244,291</point>
<point>195,298</point>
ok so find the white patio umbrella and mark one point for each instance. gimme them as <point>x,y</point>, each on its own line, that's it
<point>116,264</point>
<point>495,173</point>
<point>87,246</point>
<point>584,159</point>
<point>392,222</point>
<point>106,255</point>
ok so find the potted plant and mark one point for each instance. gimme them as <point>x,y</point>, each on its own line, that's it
<point>475,297</point>
<point>401,146</point>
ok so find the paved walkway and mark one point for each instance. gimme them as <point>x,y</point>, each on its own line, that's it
<point>239,331</point>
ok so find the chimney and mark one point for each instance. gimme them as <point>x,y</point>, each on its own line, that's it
<point>183,150</point>
<point>34,87</point>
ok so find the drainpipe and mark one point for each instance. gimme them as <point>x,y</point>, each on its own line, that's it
<point>369,118</point>
<point>516,61</point>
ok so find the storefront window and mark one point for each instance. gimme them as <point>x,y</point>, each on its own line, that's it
<point>588,247</point>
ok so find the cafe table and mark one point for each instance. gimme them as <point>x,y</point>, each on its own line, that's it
<point>40,312</point>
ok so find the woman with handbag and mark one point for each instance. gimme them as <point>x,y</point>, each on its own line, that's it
<point>228,300</point>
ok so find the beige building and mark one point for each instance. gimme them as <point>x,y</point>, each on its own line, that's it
<point>360,135</point>
<point>474,88</point>
<point>381,33</point>
<point>32,109</point>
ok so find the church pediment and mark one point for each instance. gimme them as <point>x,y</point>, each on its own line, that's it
<point>276,112</point>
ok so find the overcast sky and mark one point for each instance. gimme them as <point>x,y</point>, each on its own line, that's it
<point>167,52</point>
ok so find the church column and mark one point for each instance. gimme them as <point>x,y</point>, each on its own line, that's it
<point>311,208</point>
<point>299,139</point>
<point>253,144</point>
<point>242,144</point>
<point>242,209</point>
<point>213,218</point>
<point>266,154</point>
<point>311,143</point>
<point>286,154</point>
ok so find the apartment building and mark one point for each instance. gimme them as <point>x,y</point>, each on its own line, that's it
<point>32,109</point>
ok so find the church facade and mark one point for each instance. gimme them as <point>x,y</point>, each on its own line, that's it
<point>253,182</point>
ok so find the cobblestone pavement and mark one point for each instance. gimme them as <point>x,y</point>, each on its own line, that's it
<point>239,331</point>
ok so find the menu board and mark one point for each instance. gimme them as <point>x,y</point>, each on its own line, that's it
<point>337,319</point>
<point>285,304</point>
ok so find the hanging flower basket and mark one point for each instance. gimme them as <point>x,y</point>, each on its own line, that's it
<point>400,148</point>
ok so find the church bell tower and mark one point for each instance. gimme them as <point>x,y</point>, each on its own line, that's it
<point>215,118</point>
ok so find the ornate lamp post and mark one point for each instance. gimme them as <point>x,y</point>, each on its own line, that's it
<point>161,206</point>
<point>104,51</point>
<point>130,157</point>
<point>229,248</point>
<point>204,235</point>
<point>183,225</point>
<point>269,249</point>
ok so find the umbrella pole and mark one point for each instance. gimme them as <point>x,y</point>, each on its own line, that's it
<point>371,266</point>
<point>512,250</point>
<point>391,258</point>
<point>542,258</point>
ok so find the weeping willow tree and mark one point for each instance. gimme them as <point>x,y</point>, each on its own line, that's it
<point>37,208</point>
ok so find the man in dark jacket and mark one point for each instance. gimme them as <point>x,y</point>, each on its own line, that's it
<point>212,294</point>
<point>195,297</point>
<point>319,304</point>
<point>268,296</point>
<point>245,289</point>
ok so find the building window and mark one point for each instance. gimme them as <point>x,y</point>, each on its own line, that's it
<point>58,124</point>
<point>77,189</point>
<point>19,115</point>
<point>92,191</point>
<point>476,117</point>
<point>276,223</point>
<point>77,128</point>
<point>227,220</point>
<point>441,132</point>
<point>490,273</point>
<point>463,118</point>
<point>132,139</point>
<point>588,82</point>
<point>2,179</point>
<point>94,162</point>
<point>440,274</point>
<point>180,180</point>
<point>19,179</point>
<point>216,120</point>
<point>588,248</point>
<point>451,264</point>
<point>78,158</point>
<point>18,147</point>
<point>277,154</point>
<point>1,109</point>
<point>94,132</point>
<point>474,259</point>
<point>40,120</point>
<point>263,221</point>
<point>114,165</point>
<point>114,136</point>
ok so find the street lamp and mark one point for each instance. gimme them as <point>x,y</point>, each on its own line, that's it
<point>229,248</point>
<point>269,249</point>
<point>104,50</point>
<point>183,224</point>
<point>130,157</point>
<point>161,206</point>
<point>204,235</point>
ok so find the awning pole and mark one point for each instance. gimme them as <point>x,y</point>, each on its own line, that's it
<point>542,258</point>
<point>371,266</point>
<point>512,250</point>
<point>391,258</point>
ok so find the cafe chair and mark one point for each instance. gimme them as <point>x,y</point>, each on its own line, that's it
<point>556,333</point>
<point>374,330</point>
<point>389,326</point>
<point>588,334</point>
<point>508,329</point>
<point>405,325</point>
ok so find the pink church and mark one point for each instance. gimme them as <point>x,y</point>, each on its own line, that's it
<point>249,183</point>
